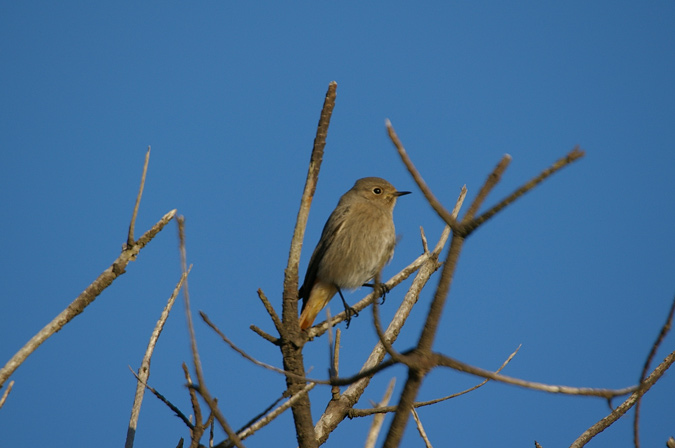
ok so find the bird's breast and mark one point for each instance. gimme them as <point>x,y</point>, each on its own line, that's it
<point>363,245</point>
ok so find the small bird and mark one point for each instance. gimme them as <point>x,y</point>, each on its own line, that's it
<point>357,241</point>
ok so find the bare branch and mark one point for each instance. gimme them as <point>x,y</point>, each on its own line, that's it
<point>662,335</point>
<point>270,310</point>
<point>201,387</point>
<point>420,428</point>
<point>600,426</point>
<point>144,370</point>
<point>262,414</point>
<point>266,336</point>
<point>425,245</point>
<point>132,224</point>
<point>196,409</point>
<point>164,400</point>
<point>416,373</point>
<point>442,360</point>
<point>492,180</point>
<point>332,381</point>
<point>291,339</point>
<point>227,340</point>
<point>6,393</point>
<point>435,203</point>
<point>376,425</point>
<point>291,273</point>
<point>571,157</point>
<point>395,356</point>
<point>335,362</point>
<point>460,231</point>
<point>78,305</point>
<point>243,434</point>
<point>419,404</point>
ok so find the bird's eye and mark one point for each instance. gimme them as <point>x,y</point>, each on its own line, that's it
<point>377,190</point>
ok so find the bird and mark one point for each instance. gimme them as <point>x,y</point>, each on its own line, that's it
<point>357,240</point>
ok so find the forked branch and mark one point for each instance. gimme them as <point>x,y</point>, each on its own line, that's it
<point>105,279</point>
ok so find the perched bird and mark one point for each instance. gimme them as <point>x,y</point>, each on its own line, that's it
<point>357,241</point>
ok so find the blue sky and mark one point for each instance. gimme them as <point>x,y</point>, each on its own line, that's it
<point>580,271</point>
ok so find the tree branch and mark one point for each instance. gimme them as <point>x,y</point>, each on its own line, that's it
<point>201,386</point>
<point>291,339</point>
<point>662,335</point>
<point>87,296</point>
<point>132,224</point>
<point>571,157</point>
<point>603,424</point>
<point>426,264</point>
<point>144,370</point>
<point>426,191</point>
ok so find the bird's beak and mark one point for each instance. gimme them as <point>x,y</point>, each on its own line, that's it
<point>401,193</point>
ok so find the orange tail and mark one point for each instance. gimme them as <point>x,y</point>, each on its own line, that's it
<point>319,297</point>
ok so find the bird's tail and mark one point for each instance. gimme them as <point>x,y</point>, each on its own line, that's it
<point>319,297</point>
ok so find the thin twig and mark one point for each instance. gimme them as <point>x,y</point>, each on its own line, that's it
<point>164,400</point>
<point>419,404</point>
<point>471,389</point>
<point>420,428</point>
<point>335,363</point>
<point>332,381</point>
<point>270,310</point>
<point>426,191</point>
<point>425,245</point>
<point>78,305</point>
<point>397,357</point>
<point>6,393</point>
<point>212,425</point>
<point>265,336</point>
<point>603,424</point>
<point>571,157</point>
<point>234,347</point>
<point>331,355</point>
<point>132,224</point>
<point>249,431</point>
<point>442,360</point>
<point>378,419</point>
<point>198,430</point>
<point>144,370</point>
<point>492,181</point>
<point>201,387</point>
<point>196,409</point>
<point>662,335</point>
<point>262,414</point>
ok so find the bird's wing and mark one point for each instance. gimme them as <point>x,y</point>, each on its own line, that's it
<point>330,230</point>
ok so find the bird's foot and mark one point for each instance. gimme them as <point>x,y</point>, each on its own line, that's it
<point>380,290</point>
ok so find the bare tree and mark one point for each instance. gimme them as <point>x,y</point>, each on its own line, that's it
<point>419,360</point>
